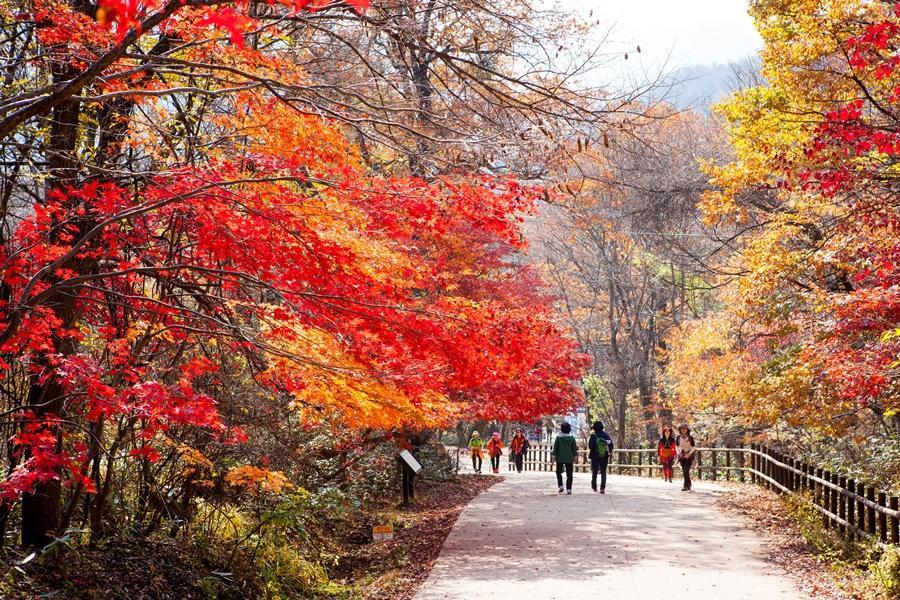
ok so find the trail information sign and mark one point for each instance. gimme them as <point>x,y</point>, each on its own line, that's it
<point>410,461</point>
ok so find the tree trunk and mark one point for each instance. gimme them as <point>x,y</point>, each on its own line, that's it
<point>40,509</point>
<point>620,399</point>
<point>645,393</point>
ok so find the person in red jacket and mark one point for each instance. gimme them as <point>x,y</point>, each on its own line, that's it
<point>518,446</point>
<point>666,450</point>
<point>495,450</point>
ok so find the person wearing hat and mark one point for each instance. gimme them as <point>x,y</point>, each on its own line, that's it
<point>600,446</point>
<point>686,448</point>
<point>666,451</point>
<point>476,450</point>
<point>495,450</point>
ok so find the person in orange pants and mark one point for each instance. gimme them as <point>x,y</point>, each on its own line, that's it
<point>666,451</point>
<point>518,446</point>
<point>495,450</point>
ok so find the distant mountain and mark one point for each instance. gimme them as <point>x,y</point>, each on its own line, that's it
<point>701,86</point>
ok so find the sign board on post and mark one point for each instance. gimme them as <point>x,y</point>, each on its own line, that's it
<point>383,533</point>
<point>410,461</point>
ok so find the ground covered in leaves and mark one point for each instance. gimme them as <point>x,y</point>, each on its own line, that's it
<point>361,569</point>
<point>395,570</point>
<point>821,576</point>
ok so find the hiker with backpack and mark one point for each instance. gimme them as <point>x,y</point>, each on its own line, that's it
<point>476,450</point>
<point>495,451</point>
<point>666,451</point>
<point>600,446</point>
<point>686,448</point>
<point>518,446</point>
<point>565,450</point>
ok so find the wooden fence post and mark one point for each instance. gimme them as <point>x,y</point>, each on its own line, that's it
<point>826,499</point>
<point>860,507</point>
<point>771,457</point>
<point>895,522</point>
<point>842,481</point>
<point>870,512</point>
<point>818,494</point>
<point>776,470</point>
<point>785,474</point>
<point>727,465</point>
<point>779,475</point>
<point>741,463</point>
<point>833,509</point>
<point>713,460</point>
<point>699,465</point>
<point>851,511</point>
<point>753,464</point>
<point>882,518</point>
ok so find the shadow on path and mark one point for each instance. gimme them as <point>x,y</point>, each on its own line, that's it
<point>644,538</point>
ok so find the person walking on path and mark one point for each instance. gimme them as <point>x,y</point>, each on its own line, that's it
<point>495,450</point>
<point>564,452</point>
<point>518,446</point>
<point>686,448</point>
<point>600,446</point>
<point>476,451</point>
<point>666,450</point>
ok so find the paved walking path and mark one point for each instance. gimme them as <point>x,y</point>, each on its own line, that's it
<point>643,539</point>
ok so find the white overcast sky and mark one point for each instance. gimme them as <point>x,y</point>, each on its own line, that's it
<point>677,32</point>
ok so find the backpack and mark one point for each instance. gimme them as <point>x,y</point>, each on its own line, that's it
<point>602,445</point>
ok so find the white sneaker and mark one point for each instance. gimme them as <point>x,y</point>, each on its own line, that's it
<point>561,489</point>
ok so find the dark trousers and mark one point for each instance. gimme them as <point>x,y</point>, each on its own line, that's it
<point>476,462</point>
<point>519,460</point>
<point>495,462</point>
<point>598,465</point>
<point>559,471</point>
<point>686,470</point>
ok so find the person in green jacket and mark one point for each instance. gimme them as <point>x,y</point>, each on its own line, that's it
<point>564,452</point>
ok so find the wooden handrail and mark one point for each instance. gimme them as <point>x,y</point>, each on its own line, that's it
<point>828,484</point>
<point>756,469</point>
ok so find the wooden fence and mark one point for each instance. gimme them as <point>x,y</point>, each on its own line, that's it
<point>852,508</point>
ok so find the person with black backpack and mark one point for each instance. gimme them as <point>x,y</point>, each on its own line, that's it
<point>600,446</point>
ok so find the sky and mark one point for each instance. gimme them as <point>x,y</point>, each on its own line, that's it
<point>675,33</point>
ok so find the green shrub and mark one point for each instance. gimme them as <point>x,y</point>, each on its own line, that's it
<point>822,541</point>
<point>885,572</point>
